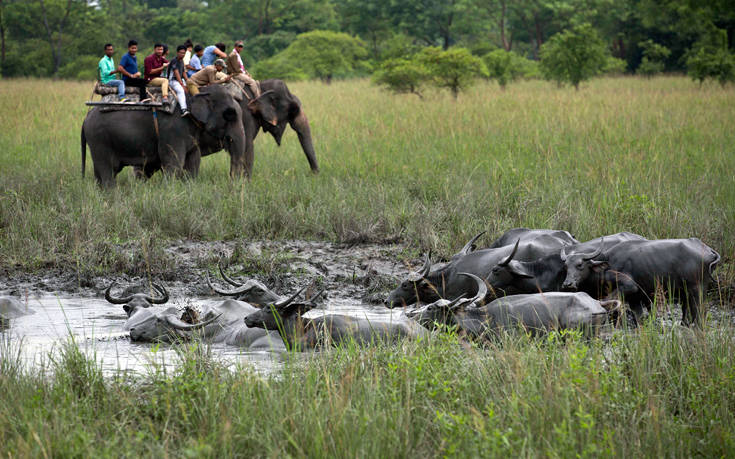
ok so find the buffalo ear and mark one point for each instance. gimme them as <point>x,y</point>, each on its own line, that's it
<point>519,271</point>
<point>200,107</point>
<point>127,309</point>
<point>599,266</point>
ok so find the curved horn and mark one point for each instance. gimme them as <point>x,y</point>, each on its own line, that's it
<point>181,325</point>
<point>471,244</point>
<point>114,300</point>
<point>481,287</point>
<point>226,277</point>
<point>427,265</point>
<point>597,252</point>
<point>289,300</point>
<point>453,304</point>
<point>314,297</point>
<point>512,254</point>
<point>235,292</point>
<point>563,254</point>
<point>164,295</point>
<point>606,303</point>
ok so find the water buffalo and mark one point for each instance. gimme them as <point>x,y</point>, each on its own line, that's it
<point>12,308</point>
<point>525,234</point>
<point>301,333</point>
<point>251,291</point>
<point>635,269</point>
<point>537,313</point>
<point>444,281</point>
<point>137,300</point>
<point>546,274</point>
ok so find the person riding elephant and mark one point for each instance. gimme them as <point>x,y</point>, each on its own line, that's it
<point>158,140</point>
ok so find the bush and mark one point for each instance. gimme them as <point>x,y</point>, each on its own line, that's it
<point>455,69</point>
<point>614,66</point>
<point>507,66</point>
<point>573,56</point>
<point>709,58</point>
<point>324,54</point>
<point>402,75</point>
<point>81,68</point>
<point>654,56</point>
<point>278,66</point>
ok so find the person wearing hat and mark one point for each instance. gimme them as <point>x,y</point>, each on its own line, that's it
<point>236,69</point>
<point>210,74</point>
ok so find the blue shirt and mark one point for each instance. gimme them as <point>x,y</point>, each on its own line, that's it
<point>194,62</point>
<point>129,63</point>
<point>208,57</point>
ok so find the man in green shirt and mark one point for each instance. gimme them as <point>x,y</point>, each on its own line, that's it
<point>107,70</point>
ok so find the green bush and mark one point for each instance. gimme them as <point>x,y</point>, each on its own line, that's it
<point>402,75</point>
<point>455,69</point>
<point>574,55</point>
<point>710,58</point>
<point>507,66</point>
<point>81,68</point>
<point>324,54</point>
<point>278,66</point>
<point>654,56</point>
<point>615,66</point>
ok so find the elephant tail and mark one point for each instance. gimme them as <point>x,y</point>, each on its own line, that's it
<point>84,151</point>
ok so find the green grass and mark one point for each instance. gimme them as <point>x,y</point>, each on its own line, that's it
<point>650,156</point>
<point>655,394</point>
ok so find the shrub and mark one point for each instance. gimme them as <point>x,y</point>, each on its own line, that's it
<point>573,56</point>
<point>709,58</point>
<point>614,66</point>
<point>455,69</point>
<point>278,66</point>
<point>402,75</point>
<point>654,56</point>
<point>324,54</point>
<point>507,66</point>
<point>81,68</point>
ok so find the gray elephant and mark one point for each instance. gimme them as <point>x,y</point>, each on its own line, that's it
<point>129,138</point>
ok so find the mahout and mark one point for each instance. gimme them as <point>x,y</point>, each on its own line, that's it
<point>301,333</point>
<point>176,144</point>
<point>636,270</point>
<point>546,274</point>
<point>443,280</point>
<point>535,313</point>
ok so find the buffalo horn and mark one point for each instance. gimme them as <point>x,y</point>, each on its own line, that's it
<point>234,292</point>
<point>427,265</point>
<point>181,325</point>
<point>481,288</point>
<point>469,247</point>
<point>164,295</point>
<point>289,300</point>
<point>226,277</point>
<point>114,300</point>
<point>512,254</point>
<point>597,252</point>
<point>453,304</point>
<point>563,254</point>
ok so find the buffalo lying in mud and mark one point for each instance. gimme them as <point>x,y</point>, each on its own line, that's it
<point>536,313</point>
<point>222,323</point>
<point>637,269</point>
<point>546,274</point>
<point>525,234</point>
<point>251,291</point>
<point>302,333</point>
<point>12,308</point>
<point>444,281</point>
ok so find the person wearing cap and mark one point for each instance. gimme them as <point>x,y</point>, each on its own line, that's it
<point>177,76</point>
<point>236,69</point>
<point>210,74</point>
<point>107,71</point>
<point>154,66</point>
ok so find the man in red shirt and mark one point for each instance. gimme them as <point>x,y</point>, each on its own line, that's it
<point>154,66</point>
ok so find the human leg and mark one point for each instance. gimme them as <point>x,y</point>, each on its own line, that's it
<point>180,94</point>
<point>120,85</point>
<point>162,82</point>
<point>193,88</point>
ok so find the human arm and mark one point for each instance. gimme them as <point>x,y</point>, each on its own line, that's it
<point>220,53</point>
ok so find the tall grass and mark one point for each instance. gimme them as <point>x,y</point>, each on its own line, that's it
<point>653,394</point>
<point>650,156</point>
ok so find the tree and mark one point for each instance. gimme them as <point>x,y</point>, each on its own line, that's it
<point>323,54</point>
<point>501,66</point>
<point>654,56</point>
<point>55,26</point>
<point>402,75</point>
<point>455,69</point>
<point>709,58</point>
<point>574,56</point>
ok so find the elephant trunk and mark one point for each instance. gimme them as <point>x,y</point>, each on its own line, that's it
<point>239,162</point>
<point>300,124</point>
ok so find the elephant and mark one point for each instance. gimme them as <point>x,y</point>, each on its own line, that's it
<point>130,138</point>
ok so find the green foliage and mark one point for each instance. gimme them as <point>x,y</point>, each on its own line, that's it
<point>653,59</point>
<point>614,66</point>
<point>324,54</point>
<point>710,58</point>
<point>455,69</point>
<point>574,56</point>
<point>81,68</point>
<point>278,66</point>
<point>402,75</point>
<point>507,66</point>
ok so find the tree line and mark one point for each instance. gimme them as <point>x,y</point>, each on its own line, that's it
<point>340,38</point>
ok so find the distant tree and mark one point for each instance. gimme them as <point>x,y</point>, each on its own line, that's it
<point>455,69</point>
<point>614,66</point>
<point>322,54</point>
<point>402,75</point>
<point>278,66</point>
<point>654,56</point>
<point>573,56</point>
<point>710,58</point>
<point>504,66</point>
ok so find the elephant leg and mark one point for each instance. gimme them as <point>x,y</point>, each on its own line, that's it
<point>249,156</point>
<point>104,171</point>
<point>192,163</point>
<point>173,155</point>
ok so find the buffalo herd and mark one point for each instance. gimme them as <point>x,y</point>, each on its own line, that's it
<point>531,280</point>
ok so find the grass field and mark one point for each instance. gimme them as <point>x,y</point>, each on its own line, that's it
<point>655,157</point>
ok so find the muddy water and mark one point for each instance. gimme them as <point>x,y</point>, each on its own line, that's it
<point>96,327</point>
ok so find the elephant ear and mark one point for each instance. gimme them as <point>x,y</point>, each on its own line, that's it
<point>265,107</point>
<point>201,107</point>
